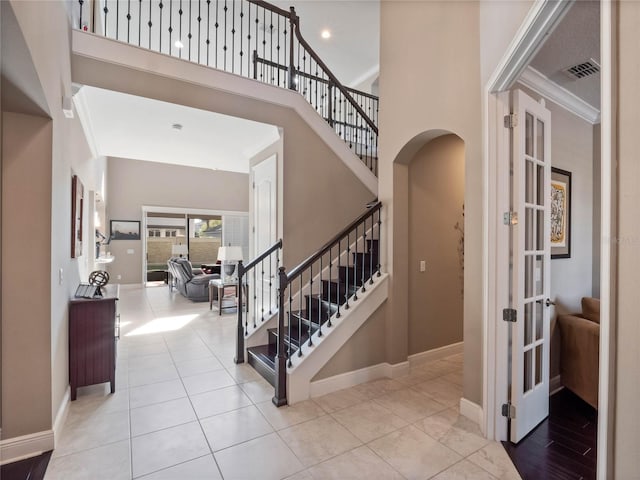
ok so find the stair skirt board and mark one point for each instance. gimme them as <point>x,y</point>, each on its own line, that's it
<point>356,377</point>
<point>324,348</point>
<point>435,354</point>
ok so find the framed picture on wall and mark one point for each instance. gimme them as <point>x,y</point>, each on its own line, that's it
<point>560,213</point>
<point>125,230</point>
<point>77,200</point>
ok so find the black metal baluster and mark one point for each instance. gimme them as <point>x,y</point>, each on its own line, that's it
<point>278,50</point>
<point>170,25</point>
<point>355,270</point>
<point>379,237</point>
<point>257,22</point>
<point>364,248</point>
<point>262,291</point>
<point>199,28</point>
<point>249,57</point>
<point>310,304</point>
<point>217,25</point>
<point>289,330</point>
<point>208,41</point>
<point>271,48</point>
<point>189,34</point>
<point>320,303</point>
<point>241,34</point>
<point>264,39</point>
<point>140,23</point>
<point>128,21</point>
<point>180,11</point>
<point>150,24</point>
<point>81,2</point>
<point>270,283</point>
<point>300,318</point>
<point>161,5</point>
<point>255,298</point>
<point>371,244</point>
<point>106,11</point>
<point>346,293</point>
<point>117,18</point>
<point>338,300</point>
<point>233,36</point>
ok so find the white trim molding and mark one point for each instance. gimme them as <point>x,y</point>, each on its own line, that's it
<point>555,384</point>
<point>549,89</point>
<point>26,446</point>
<point>61,416</point>
<point>473,412</point>
<point>436,354</point>
<point>356,377</point>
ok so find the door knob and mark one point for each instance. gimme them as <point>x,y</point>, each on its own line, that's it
<point>549,302</point>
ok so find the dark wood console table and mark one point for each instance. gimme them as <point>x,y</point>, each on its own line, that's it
<point>93,331</point>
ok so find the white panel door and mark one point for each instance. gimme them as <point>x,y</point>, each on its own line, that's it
<point>265,233</point>
<point>531,256</point>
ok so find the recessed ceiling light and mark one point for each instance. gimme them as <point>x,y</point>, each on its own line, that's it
<point>325,34</point>
<point>177,126</point>
<point>179,44</point>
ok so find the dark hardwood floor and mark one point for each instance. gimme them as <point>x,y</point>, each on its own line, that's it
<point>30,469</point>
<point>563,446</point>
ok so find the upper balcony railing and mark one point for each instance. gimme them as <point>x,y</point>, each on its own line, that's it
<point>251,38</point>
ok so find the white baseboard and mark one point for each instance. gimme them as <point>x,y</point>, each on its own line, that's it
<point>555,384</point>
<point>26,446</point>
<point>472,411</point>
<point>436,353</point>
<point>356,377</point>
<point>61,416</point>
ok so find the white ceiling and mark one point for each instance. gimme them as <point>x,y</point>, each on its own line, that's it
<point>574,40</point>
<point>139,128</point>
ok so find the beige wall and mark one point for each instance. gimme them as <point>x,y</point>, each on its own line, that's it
<point>627,355</point>
<point>424,90</point>
<point>132,184</point>
<point>41,76</point>
<point>365,348</point>
<point>26,325</point>
<point>436,197</point>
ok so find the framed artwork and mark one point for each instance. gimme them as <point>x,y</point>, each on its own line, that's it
<point>560,213</point>
<point>77,201</point>
<point>125,230</point>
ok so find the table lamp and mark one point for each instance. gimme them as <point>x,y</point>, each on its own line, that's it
<point>229,255</point>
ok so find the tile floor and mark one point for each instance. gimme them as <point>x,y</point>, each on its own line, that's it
<point>183,410</point>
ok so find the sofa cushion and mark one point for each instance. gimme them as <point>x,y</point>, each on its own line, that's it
<point>591,309</point>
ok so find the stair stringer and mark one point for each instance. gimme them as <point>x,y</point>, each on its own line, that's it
<point>324,348</point>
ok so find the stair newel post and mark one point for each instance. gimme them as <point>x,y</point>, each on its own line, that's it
<point>241,331</point>
<point>293,18</point>
<point>280,397</point>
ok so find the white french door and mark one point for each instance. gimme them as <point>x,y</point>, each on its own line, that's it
<point>530,258</point>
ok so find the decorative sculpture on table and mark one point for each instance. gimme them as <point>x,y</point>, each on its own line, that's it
<point>99,278</point>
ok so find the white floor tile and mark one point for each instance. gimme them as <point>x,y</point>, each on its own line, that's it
<point>264,458</point>
<point>232,428</point>
<point>219,401</point>
<point>109,462</point>
<point>147,376</point>
<point>203,468</point>
<point>204,382</point>
<point>156,393</point>
<point>194,367</point>
<point>166,448</point>
<point>161,415</point>
<point>92,430</point>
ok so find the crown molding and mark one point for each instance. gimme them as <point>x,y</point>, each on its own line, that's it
<point>539,83</point>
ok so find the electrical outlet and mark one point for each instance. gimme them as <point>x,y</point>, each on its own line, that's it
<point>118,277</point>
<point>60,276</point>
<point>423,265</point>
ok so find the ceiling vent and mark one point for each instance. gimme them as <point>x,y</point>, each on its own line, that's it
<point>583,69</point>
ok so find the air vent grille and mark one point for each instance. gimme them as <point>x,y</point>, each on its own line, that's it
<point>583,69</point>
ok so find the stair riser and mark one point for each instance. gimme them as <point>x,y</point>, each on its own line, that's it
<point>264,370</point>
<point>370,261</point>
<point>337,292</point>
<point>349,273</point>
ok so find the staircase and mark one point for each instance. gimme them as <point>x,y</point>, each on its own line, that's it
<point>319,308</point>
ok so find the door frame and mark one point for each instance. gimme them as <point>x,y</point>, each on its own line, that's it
<point>528,39</point>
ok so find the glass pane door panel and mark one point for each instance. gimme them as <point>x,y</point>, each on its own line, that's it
<point>540,140</point>
<point>528,139</point>
<point>528,365</point>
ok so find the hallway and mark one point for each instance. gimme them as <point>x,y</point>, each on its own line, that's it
<point>183,409</point>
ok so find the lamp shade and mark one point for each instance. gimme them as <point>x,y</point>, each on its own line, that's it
<point>179,250</point>
<point>230,254</point>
